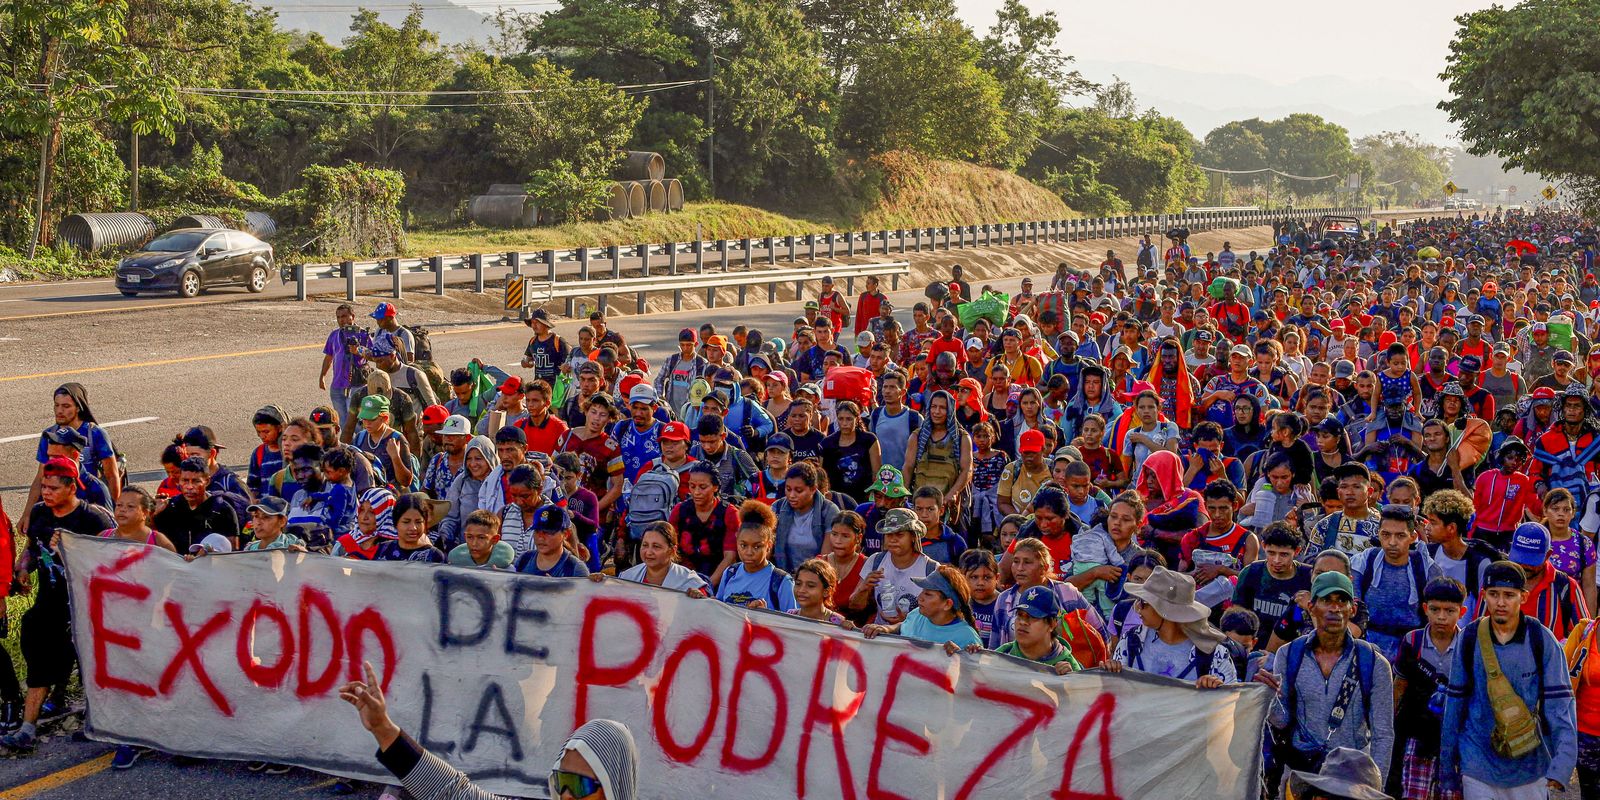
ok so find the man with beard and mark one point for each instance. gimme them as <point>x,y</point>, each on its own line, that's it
<point>1177,388</point>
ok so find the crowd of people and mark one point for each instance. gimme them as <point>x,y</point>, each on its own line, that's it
<point>1362,469</point>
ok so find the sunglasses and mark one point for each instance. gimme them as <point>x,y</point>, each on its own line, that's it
<point>571,783</point>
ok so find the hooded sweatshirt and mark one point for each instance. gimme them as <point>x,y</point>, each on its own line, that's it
<point>1180,509</point>
<point>465,490</point>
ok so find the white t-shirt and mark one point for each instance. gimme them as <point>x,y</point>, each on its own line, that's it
<point>896,594</point>
<point>1163,433</point>
<point>679,577</point>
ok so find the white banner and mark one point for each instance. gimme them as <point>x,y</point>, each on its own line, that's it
<point>241,656</point>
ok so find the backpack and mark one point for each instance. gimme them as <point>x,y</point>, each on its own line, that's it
<point>1052,301</point>
<point>1366,664</point>
<point>774,583</point>
<point>1478,550</point>
<point>654,494</point>
<point>850,383</point>
<point>1136,661</point>
<point>422,359</point>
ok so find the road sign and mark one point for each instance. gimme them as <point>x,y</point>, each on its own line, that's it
<point>1511,189</point>
<point>516,293</point>
<point>1450,188</point>
<point>1549,193</point>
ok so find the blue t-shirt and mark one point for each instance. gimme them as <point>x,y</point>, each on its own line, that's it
<point>1391,613</point>
<point>921,628</point>
<point>983,613</point>
<point>568,567</point>
<point>98,450</point>
<point>740,587</point>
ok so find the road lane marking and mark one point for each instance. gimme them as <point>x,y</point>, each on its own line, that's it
<point>215,356</point>
<point>30,436</point>
<point>37,284</point>
<point>103,310</point>
<point>56,780</point>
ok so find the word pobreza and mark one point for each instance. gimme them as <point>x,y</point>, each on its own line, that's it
<point>241,657</point>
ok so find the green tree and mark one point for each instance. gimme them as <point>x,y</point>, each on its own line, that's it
<point>1525,85</point>
<point>1020,53</point>
<point>1402,160</point>
<point>70,65</point>
<point>1234,146</point>
<point>1148,160</point>
<point>389,61</point>
<point>777,109</point>
<point>929,94</point>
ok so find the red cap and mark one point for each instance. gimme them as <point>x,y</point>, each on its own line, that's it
<point>511,385</point>
<point>1031,441</point>
<point>60,467</point>
<point>675,432</point>
<point>435,415</point>
<point>630,380</point>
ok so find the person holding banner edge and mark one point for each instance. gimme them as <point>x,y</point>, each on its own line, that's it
<point>598,762</point>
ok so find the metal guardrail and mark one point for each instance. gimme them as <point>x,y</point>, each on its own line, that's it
<point>597,271</point>
<point>535,292</point>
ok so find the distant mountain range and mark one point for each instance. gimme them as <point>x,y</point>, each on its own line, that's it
<point>454,24</point>
<point>1204,101</point>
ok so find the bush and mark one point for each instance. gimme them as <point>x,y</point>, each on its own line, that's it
<point>348,211</point>
<point>199,182</point>
<point>566,194</point>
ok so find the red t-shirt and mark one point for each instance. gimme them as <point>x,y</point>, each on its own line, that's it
<point>545,438</point>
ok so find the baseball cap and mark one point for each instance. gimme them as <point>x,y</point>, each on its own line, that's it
<point>1031,441</point>
<point>974,343</point>
<point>865,339</point>
<point>455,425</point>
<point>717,340</point>
<point>1530,545</point>
<point>62,467</point>
<point>271,506</point>
<point>66,436</point>
<point>551,519</point>
<point>642,393</point>
<point>372,406</point>
<point>777,376</point>
<point>1502,349</point>
<point>827,280</point>
<point>1564,357</point>
<point>511,385</point>
<point>1538,327</point>
<point>901,519</point>
<point>675,432</point>
<point>936,582</point>
<point>1040,603</point>
<point>539,315</point>
<point>202,435</point>
<point>1470,364</point>
<point>1332,582</point>
<point>1344,368</point>
<point>687,335</point>
<point>1241,350</point>
<point>1204,335</point>
<point>321,416</point>
<point>780,441</point>
<point>435,415</point>
<point>213,543</point>
<point>811,305</point>
<point>384,311</point>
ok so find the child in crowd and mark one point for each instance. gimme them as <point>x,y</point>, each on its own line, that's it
<point>338,499</point>
<point>1083,498</point>
<point>983,578</point>
<point>1010,528</point>
<point>940,543</point>
<point>987,464</point>
<point>1570,552</point>
<point>1243,628</point>
<point>1106,466</point>
<point>1123,616</point>
<point>755,582</point>
<point>813,593</point>
<point>1421,671</point>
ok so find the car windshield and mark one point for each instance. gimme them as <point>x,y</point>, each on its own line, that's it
<point>179,242</point>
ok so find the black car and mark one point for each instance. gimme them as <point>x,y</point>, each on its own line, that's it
<point>191,260</point>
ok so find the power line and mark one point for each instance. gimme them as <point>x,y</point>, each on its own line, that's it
<point>1265,169</point>
<point>429,93</point>
<point>365,104</point>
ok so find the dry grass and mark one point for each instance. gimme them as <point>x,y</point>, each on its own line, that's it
<point>916,190</point>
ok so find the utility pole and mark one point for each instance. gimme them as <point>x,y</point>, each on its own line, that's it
<point>711,124</point>
<point>133,153</point>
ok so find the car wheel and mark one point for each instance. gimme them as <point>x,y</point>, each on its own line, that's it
<point>258,279</point>
<point>126,293</point>
<point>189,284</point>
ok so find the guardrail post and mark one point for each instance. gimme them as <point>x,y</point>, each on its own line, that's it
<point>436,263</point>
<point>833,244</point>
<point>788,242</point>
<point>916,240</point>
<point>514,262</point>
<point>849,286</point>
<point>772,251</point>
<point>744,244</point>
<point>300,282</point>
<point>885,234</point>
<point>811,244</point>
<point>672,269</point>
<point>799,290</point>
<point>722,248</point>
<point>348,270</point>
<point>849,243</point>
<point>394,270</point>
<point>644,259</point>
<point>899,235</point>
<point>772,292</point>
<point>583,273</point>
<point>476,262</point>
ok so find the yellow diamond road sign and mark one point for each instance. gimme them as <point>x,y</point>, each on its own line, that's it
<point>1450,188</point>
<point>1549,193</point>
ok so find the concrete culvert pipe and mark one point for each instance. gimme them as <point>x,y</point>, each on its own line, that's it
<point>642,166</point>
<point>656,197</point>
<point>508,188</point>
<point>99,231</point>
<point>503,211</point>
<point>260,225</point>
<point>617,205</point>
<point>637,197</point>
<point>674,195</point>
<point>199,221</point>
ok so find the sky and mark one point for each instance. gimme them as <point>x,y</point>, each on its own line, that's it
<point>1178,53</point>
